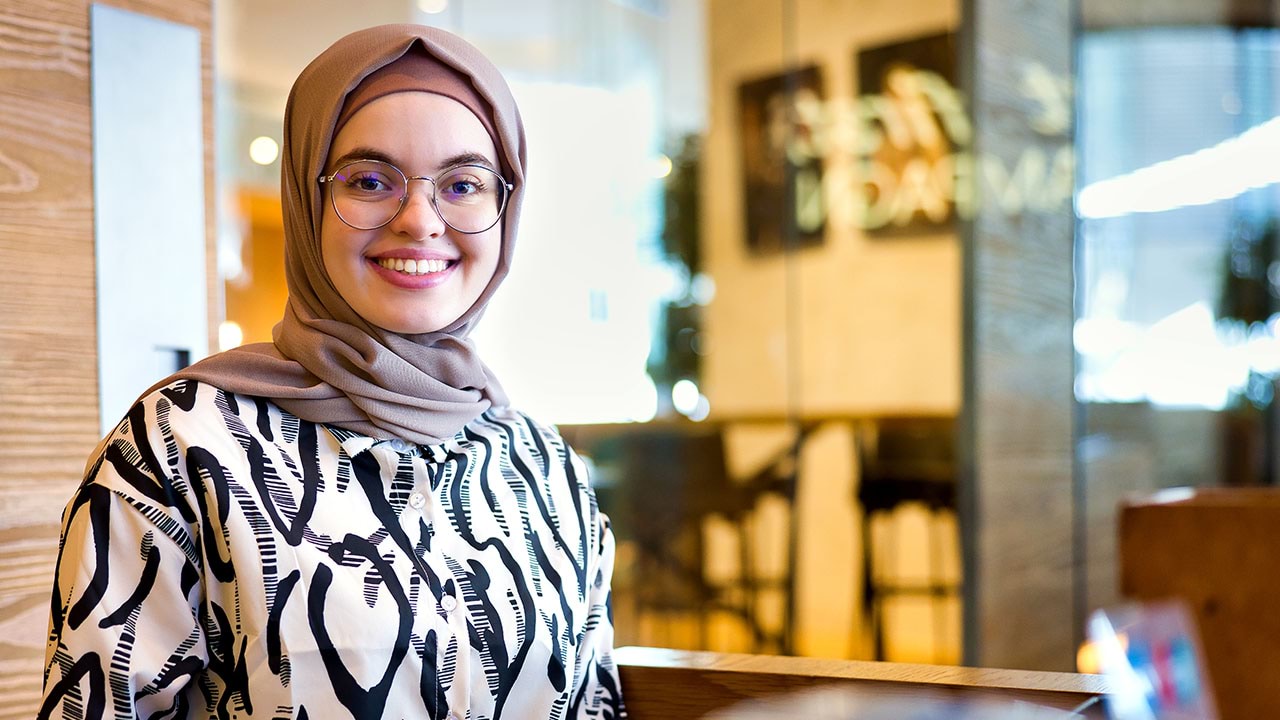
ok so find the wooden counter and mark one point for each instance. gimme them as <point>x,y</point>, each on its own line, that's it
<point>676,684</point>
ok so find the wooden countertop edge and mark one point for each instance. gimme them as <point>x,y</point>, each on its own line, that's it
<point>886,672</point>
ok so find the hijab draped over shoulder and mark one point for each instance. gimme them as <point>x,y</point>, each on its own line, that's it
<point>326,363</point>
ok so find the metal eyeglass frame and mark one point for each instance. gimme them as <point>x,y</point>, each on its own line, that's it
<point>507,187</point>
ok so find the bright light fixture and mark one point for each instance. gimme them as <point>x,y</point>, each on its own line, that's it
<point>264,150</point>
<point>684,396</point>
<point>1231,168</point>
<point>433,7</point>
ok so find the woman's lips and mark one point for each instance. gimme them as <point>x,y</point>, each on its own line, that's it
<point>413,274</point>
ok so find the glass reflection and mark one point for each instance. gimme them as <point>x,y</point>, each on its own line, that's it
<point>1177,327</point>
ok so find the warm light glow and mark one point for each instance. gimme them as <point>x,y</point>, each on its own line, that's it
<point>433,7</point>
<point>1087,660</point>
<point>1231,168</point>
<point>263,150</point>
<point>230,335</point>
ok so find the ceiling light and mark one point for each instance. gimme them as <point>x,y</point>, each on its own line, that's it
<point>263,150</point>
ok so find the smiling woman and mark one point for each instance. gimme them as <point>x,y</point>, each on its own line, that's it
<point>350,520</point>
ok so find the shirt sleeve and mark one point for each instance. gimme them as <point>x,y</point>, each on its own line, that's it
<point>598,690</point>
<point>125,638</point>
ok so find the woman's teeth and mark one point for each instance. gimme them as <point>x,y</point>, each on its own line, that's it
<point>414,267</point>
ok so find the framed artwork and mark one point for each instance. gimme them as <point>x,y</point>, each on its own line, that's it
<point>779,120</point>
<point>911,122</point>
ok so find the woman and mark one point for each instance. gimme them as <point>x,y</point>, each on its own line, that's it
<point>349,521</point>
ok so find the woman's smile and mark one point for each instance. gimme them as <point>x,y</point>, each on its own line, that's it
<point>410,272</point>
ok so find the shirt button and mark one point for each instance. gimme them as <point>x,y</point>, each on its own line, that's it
<point>449,603</point>
<point>417,501</point>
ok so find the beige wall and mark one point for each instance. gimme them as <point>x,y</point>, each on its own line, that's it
<point>48,343</point>
<point>855,326</point>
<point>877,321</point>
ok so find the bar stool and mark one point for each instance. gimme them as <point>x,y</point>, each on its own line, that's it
<point>665,481</point>
<point>905,460</point>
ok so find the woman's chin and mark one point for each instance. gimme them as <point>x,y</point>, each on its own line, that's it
<point>418,325</point>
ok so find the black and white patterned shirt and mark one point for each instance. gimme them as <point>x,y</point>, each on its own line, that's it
<point>225,559</point>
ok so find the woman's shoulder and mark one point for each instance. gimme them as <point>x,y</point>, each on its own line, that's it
<point>182,413</point>
<point>190,404</point>
<point>177,428</point>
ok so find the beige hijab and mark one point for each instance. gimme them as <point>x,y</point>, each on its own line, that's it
<point>327,364</point>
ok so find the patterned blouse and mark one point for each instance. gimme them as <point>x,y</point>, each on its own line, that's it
<point>225,559</point>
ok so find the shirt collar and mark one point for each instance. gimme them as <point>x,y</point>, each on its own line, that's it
<point>354,443</point>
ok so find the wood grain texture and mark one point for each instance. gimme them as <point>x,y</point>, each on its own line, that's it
<point>1017,492</point>
<point>1217,552</point>
<point>666,684</point>
<point>48,340</point>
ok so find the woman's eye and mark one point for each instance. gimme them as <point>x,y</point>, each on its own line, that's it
<point>369,184</point>
<point>462,187</point>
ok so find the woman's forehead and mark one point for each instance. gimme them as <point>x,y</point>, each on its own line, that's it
<point>413,127</point>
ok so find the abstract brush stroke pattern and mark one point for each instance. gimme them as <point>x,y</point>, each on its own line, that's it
<point>225,559</point>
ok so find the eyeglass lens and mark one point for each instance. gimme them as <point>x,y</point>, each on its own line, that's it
<point>369,193</point>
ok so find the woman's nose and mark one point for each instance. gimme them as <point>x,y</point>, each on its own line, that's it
<point>418,218</point>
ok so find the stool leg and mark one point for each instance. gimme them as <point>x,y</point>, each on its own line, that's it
<point>870,601</point>
<point>935,586</point>
<point>888,575</point>
<point>750,584</point>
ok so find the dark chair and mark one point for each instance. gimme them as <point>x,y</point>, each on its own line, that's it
<point>904,460</point>
<point>670,481</point>
<point>665,481</point>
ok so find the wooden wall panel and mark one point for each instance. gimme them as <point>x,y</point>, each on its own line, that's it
<point>48,343</point>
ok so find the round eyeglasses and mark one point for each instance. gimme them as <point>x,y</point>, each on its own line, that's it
<point>367,194</point>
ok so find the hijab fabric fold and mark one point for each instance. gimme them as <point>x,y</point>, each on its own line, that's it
<point>326,364</point>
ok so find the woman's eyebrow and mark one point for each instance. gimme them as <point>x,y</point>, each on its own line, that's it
<point>362,153</point>
<point>467,158</point>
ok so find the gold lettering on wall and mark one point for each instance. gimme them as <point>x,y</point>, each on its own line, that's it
<point>910,156</point>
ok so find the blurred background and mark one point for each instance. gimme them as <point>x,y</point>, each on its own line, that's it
<point>865,314</point>
<point>753,283</point>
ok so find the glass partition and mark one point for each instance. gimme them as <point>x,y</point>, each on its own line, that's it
<point>1177,321</point>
